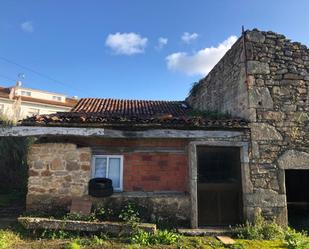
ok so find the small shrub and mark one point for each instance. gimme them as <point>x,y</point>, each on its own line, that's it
<point>237,246</point>
<point>103,214</point>
<point>8,239</point>
<point>160,237</point>
<point>129,214</point>
<point>259,230</point>
<point>56,234</point>
<point>296,240</point>
<point>73,245</point>
<point>98,241</point>
<point>166,237</point>
<point>142,238</point>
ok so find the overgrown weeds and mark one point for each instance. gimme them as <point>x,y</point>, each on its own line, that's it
<point>296,240</point>
<point>8,239</point>
<point>259,230</point>
<point>160,237</point>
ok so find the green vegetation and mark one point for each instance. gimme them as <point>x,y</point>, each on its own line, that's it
<point>209,114</point>
<point>296,240</point>
<point>259,230</point>
<point>8,239</point>
<point>159,238</point>
<point>195,88</point>
<point>13,164</point>
<point>11,240</point>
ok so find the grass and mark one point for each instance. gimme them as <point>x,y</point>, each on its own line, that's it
<point>13,239</point>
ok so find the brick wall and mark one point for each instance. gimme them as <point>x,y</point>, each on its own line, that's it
<point>155,172</point>
<point>149,164</point>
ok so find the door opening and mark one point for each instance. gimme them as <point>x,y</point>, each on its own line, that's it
<point>297,185</point>
<point>219,186</point>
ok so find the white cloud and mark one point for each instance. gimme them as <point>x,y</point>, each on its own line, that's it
<point>201,62</point>
<point>27,27</point>
<point>189,37</point>
<point>126,43</point>
<point>162,41</point>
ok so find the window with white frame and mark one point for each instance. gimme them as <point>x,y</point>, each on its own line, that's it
<point>109,166</point>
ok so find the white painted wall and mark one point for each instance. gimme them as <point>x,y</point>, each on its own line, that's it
<point>16,110</point>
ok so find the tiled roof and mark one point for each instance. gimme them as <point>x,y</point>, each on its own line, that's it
<point>69,102</point>
<point>129,108</point>
<point>132,114</point>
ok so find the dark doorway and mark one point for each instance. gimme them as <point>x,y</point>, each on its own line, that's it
<point>219,186</point>
<point>297,186</point>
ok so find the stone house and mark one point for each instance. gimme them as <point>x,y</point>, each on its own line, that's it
<point>177,158</point>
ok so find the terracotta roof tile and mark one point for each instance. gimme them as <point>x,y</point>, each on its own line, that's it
<point>128,108</point>
<point>132,114</point>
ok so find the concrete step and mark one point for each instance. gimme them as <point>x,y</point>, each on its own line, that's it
<point>205,231</point>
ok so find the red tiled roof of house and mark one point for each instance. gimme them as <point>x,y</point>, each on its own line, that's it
<point>69,102</point>
<point>133,114</point>
<point>129,108</point>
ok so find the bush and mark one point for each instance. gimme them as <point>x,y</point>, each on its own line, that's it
<point>73,245</point>
<point>103,214</point>
<point>160,237</point>
<point>296,240</point>
<point>129,214</point>
<point>8,239</point>
<point>259,230</point>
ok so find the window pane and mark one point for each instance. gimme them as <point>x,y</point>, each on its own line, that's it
<point>100,167</point>
<point>114,171</point>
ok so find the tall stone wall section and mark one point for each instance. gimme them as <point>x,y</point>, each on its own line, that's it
<point>220,90</point>
<point>57,172</point>
<point>278,80</point>
<point>276,77</point>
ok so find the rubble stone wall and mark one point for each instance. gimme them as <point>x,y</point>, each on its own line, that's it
<point>57,172</point>
<point>220,90</point>
<point>277,90</point>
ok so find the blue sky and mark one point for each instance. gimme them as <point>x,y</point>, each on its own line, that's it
<point>112,48</point>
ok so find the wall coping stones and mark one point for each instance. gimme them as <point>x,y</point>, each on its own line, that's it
<point>114,228</point>
<point>255,36</point>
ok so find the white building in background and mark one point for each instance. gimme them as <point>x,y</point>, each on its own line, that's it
<point>18,102</point>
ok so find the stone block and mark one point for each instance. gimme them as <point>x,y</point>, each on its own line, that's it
<point>113,228</point>
<point>264,132</point>
<point>293,159</point>
<point>57,164</point>
<point>257,67</point>
<point>265,198</point>
<point>259,97</point>
<point>72,166</point>
<point>255,36</point>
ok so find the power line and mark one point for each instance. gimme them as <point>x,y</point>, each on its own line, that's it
<point>39,74</point>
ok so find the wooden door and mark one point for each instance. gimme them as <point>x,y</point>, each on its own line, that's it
<point>219,186</point>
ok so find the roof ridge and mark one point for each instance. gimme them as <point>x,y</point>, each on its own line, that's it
<point>122,99</point>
